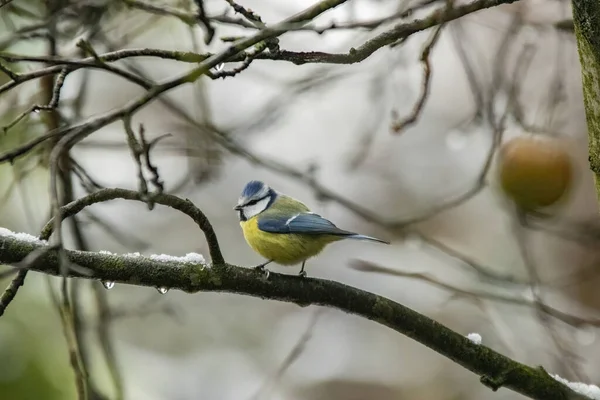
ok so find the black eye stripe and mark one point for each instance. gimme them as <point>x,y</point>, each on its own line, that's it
<point>253,202</point>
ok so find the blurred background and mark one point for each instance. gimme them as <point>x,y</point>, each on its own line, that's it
<point>462,252</point>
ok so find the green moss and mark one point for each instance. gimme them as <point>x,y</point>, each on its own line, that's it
<point>383,309</point>
<point>201,277</point>
<point>586,16</point>
<point>215,279</point>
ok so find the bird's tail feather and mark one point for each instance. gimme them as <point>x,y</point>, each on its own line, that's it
<point>365,237</point>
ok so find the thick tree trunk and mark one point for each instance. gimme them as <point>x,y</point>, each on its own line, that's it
<point>586,16</point>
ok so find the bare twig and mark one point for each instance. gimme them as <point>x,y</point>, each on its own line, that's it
<point>402,124</point>
<point>11,74</point>
<point>66,315</point>
<point>72,66</point>
<point>146,308</point>
<point>233,53</point>
<point>569,319</point>
<point>86,180</point>
<point>127,239</point>
<point>103,328</point>
<point>11,291</point>
<point>250,57</point>
<point>51,106</point>
<point>164,10</point>
<point>292,356</point>
<point>185,206</point>
<point>23,149</point>
<point>247,13</point>
<point>482,271</point>
<point>7,273</point>
<point>68,311</point>
<point>475,85</point>
<point>566,356</point>
<point>5,3</point>
<point>141,154</point>
<point>204,19</point>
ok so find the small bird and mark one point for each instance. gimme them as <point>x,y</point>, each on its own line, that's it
<point>284,230</point>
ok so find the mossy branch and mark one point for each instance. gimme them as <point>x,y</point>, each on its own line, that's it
<point>586,18</point>
<point>491,366</point>
<point>495,370</point>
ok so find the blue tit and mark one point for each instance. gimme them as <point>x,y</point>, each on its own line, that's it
<point>282,229</point>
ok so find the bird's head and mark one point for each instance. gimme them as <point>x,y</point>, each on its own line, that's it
<point>255,198</point>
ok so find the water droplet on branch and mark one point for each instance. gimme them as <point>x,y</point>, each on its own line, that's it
<point>108,284</point>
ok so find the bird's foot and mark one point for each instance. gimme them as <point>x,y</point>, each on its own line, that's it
<point>302,274</point>
<point>261,268</point>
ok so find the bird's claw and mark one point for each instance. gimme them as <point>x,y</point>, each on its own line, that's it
<point>261,268</point>
<point>302,274</point>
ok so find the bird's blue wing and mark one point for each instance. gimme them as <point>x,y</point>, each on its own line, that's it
<point>304,223</point>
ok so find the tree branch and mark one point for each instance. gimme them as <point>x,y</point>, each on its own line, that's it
<point>12,289</point>
<point>417,110</point>
<point>185,206</point>
<point>496,370</point>
<point>355,55</point>
<point>586,18</point>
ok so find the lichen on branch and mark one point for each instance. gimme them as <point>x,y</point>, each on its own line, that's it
<point>586,18</point>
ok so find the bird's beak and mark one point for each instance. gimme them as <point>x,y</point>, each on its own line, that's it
<point>238,207</point>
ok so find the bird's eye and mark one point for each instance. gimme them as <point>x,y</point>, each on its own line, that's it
<point>252,202</point>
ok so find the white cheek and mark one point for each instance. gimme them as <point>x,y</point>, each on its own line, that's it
<point>251,211</point>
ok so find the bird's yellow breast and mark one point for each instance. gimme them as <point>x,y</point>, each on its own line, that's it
<point>284,249</point>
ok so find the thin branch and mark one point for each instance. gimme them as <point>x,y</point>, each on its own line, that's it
<point>11,291</point>
<point>5,3</point>
<point>234,52</point>
<point>482,271</point>
<point>73,66</point>
<point>7,273</point>
<point>11,74</point>
<point>126,238</point>
<point>23,149</point>
<point>566,355</point>
<point>52,104</point>
<point>204,19</point>
<point>292,356</point>
<point>253,21</point>
<point>475,85</point>
<point>247,13</point>
<point>137,152</point>
<point>163,10</point>
<point>573,320</point>
<point>145,309</point>
<point>85,179</point>
<point>184,206</point>
<point>103,330</point>
<point>66,316</point>
<point>253,18</point>
<point>250,57</point>
<point>412,118</point>
<point>51,90</point>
